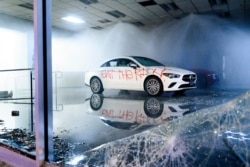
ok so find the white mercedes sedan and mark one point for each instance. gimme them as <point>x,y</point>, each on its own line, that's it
<point>139,74</point>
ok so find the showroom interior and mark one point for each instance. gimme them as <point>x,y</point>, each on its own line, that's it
<point>49,116</point>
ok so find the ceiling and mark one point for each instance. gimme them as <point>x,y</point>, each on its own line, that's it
<point>99,14</point>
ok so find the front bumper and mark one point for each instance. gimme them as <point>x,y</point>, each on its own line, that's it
<point>187,81</point>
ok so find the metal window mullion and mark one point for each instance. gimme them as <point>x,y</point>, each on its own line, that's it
<point>43,81</point>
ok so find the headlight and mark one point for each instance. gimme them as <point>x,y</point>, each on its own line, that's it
<point>171,75</point>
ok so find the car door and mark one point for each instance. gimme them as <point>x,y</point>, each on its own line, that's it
<point>109,75</point>
<point>126,75</point>
<point>118,74</point>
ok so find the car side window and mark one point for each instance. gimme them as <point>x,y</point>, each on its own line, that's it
<point>107,64</point>
<point>118,63</point>
<point>125,62</point>
<point>113,63</point>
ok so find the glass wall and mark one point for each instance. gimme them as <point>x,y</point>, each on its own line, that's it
<point>48,113</point>
<point>17,81</point>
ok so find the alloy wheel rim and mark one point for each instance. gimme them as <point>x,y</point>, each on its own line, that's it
<point>153,86</point>
<point>95,85</point>
<point>153,106</point>
<point>95,101</point>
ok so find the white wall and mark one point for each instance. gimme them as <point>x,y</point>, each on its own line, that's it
<point>195,41</point>
<point>16,49</point>
<point>16,41</point>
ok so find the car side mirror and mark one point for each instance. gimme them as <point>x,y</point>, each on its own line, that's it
<point>134,66</point>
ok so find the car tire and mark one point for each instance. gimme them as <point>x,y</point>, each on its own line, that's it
<point>153,108</point>
<point>153,86</point>
<point>96,85</point>
<point>96,101</point>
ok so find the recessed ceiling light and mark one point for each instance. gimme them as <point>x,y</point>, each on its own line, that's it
<point>73,19</point>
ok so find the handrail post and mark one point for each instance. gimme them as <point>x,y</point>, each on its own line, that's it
<point>31,102</point>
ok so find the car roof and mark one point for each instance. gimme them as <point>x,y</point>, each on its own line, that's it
<point>131,57</point>
<point>125,57</point>
<point>121,57</point>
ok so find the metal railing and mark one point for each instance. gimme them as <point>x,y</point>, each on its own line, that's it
<point>30,86</point>
<point>56,75</point>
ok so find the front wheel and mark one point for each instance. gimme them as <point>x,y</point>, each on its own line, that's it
<point>96,85</point>
<point>153,108</point>
<point>153,86</point>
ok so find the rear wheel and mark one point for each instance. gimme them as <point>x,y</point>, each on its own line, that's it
<point>153,86</point>
<point>96,101</point>
<point>96,85</point>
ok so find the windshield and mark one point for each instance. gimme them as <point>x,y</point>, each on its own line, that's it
<point>147,61</point>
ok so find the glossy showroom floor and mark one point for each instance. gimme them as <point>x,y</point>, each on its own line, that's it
<point>203,127</point>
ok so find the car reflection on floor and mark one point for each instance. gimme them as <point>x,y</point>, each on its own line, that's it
<point>80,126</point>
<point>136,114</point>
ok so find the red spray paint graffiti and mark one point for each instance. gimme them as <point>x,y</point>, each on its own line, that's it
<point>127,74</point>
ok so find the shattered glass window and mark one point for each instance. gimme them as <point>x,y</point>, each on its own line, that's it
<point>217,135</point>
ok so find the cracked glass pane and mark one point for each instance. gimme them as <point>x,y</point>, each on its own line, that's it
<point>216,135</point>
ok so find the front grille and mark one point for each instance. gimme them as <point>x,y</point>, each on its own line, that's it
<point>189,78</point>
